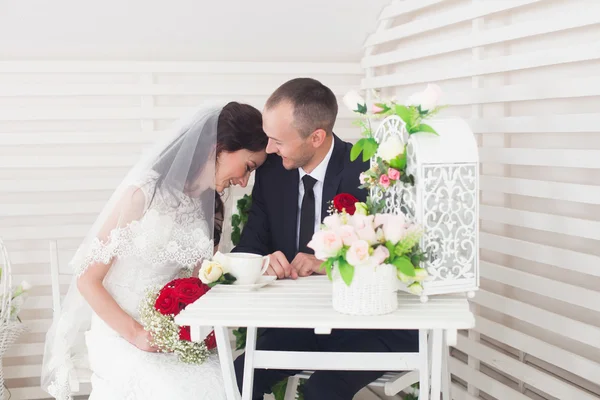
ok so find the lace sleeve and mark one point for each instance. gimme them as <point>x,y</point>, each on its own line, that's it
<point>108,243</point>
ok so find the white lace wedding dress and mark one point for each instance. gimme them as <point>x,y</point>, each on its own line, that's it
<point>154,250</point>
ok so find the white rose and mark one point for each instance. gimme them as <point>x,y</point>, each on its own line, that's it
<point>391,148</point>
<point>358,253</point>
<point>325,244</point>
<point>415,288</point>
<point>26,286</point>
<point>221,259</point>
<point>427,99</point>
<point>333,221</point>
<point>420,274</point>
<point>210,272</point>
<point>394,228</point>
<point>352,99</point>
<point>347,234</point>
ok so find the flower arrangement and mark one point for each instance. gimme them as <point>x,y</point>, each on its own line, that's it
<point>390,161</point>
<point>158,311</point>
<point>17,298</point>
<point>352,237</point>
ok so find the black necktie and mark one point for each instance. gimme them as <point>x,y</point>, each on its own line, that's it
<point>307,215</point>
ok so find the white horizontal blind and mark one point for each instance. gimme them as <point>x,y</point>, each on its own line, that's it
<point>526,75</point>
<point>69,131</point>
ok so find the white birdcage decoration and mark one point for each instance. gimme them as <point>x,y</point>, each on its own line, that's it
<point>444,200</point>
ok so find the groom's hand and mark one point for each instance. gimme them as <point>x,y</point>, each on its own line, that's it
<point>279,266</point>
<point>307,264</point>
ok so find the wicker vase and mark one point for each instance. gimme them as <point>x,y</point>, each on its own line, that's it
<point>372,291</point>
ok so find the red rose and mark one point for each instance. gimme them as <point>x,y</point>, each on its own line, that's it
<point>210,341</point>
<point>345,201</point>
<point>189,290</point>
<point>166,302</point>
<point>184,333</point>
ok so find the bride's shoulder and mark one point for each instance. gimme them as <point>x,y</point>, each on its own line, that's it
<point>139,192</point>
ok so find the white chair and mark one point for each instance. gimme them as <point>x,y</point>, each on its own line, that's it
<point>60,273</point>
<point>389,381</point>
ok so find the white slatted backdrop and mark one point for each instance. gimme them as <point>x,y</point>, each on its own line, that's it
<point>68,133</point>
<point>526,75</point>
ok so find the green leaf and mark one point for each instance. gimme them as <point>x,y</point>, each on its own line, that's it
<point>424,128</point>
<point>327,265</point>
<point>357,149</point>
<point>415,260</point>
<point>390,246</point>
<point>279,389</point>
<point>403,112</point>
<point>369,148</point>
<point>384,108</point>
<point>346,271</point>
<point>361,108</point>
<point>399,162</point>
<point>227,279</point>
<point>240,338</point>
<point>404,265</point>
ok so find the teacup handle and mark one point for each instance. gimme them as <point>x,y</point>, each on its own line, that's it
<point>266,262</point>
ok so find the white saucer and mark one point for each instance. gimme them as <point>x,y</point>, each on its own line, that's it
<point>262,281</point>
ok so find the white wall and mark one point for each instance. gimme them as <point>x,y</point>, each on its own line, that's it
<point>526,75</point>
<point>186,30</point>
<point>68,133</point>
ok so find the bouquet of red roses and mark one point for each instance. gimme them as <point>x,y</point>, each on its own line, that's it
<point>158,311</point>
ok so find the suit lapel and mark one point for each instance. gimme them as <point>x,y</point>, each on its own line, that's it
<point>333,174</point>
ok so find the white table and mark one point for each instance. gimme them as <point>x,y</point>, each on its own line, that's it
<point>306,303</point>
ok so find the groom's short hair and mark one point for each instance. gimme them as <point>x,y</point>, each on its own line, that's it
<point>315,105</point>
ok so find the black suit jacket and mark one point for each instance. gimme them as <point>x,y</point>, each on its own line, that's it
<point>272,220</point>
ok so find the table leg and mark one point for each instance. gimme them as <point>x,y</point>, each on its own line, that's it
<point>226,360</point>
<point>436,363</point>
<point>445,370</point>
<point>249,363</point>
<point>424,368</point>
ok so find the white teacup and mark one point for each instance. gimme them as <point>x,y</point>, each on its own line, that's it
<point>246,267</point>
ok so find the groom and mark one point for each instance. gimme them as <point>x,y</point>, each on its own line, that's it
<point>306,167</point>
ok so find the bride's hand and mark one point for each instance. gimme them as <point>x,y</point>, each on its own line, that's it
<point>142,341</point>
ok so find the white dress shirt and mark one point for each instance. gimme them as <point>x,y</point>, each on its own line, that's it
<point>319,175</point>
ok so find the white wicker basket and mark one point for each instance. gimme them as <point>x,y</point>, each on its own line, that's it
<point>372,291</point>
<point>10,330</point>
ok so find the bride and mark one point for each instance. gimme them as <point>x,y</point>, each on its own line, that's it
<point>163,219</point>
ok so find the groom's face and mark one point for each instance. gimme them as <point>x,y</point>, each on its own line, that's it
<point>284,138</point>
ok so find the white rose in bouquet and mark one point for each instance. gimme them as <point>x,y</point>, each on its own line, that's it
<point>210,272</point>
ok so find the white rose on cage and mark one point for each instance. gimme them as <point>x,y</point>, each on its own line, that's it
<point>355,102</point>
<point>391,148</point>
<point>428,99</point>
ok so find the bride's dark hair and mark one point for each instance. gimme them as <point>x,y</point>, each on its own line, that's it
<point>239,127</point>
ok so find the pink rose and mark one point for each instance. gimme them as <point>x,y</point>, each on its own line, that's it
<point>358,253</point>
<point>394,174</point>
<point>347,234</point>
<point>362,178</point>
<point>325,244</point>
<point>380,254</point>
<point>376,109</point>
<point>384,181</point>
